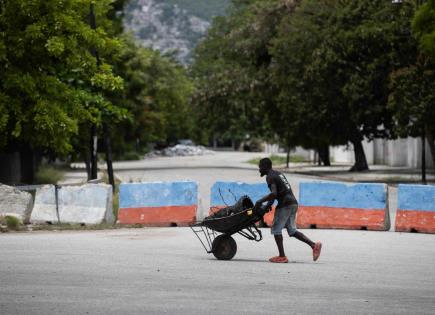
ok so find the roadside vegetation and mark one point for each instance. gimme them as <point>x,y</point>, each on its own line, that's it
<point>10,223</point>
<point>48,174</point>
<point>317,73</point>
<point>308,73</point>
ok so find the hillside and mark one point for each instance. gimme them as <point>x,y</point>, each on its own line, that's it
<point>172,26</point>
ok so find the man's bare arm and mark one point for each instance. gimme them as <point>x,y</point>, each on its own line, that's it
<point>269,197</point>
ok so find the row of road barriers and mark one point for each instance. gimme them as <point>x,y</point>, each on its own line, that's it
<point>330,205</point>
<point>326,205</point>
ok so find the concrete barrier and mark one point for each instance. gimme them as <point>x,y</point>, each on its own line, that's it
<point>15,203</point>
<point>158,203</point>
<point>86,204</point>
<point>227,193</point>
<point>415,209</point>
<point>334,205</point>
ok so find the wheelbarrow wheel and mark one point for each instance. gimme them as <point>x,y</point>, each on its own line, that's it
<point>224,247</point>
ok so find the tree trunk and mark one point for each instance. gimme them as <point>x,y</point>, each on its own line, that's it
<point>28,164</point>
<point>324,155</point>
<point>109,156</point>
<point>288,157</point>
<point>431,140</point>
<point>94,150</point>
<point>86,159</point>
<point>360,156</point>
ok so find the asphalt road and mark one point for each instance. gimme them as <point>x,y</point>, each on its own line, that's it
<point>166,271</point>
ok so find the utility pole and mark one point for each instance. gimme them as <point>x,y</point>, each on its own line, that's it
<point>423,157</point>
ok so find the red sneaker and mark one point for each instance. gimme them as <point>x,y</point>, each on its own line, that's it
<point>279,259</point>
<point>316,250</point>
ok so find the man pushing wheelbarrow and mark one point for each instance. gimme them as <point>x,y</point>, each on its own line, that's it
<point>285,212</point>
<point>243,217</point>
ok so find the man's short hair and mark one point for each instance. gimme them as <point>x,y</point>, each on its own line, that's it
<point>266,162</point>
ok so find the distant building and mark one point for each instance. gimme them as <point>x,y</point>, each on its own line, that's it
<point>401,152</point>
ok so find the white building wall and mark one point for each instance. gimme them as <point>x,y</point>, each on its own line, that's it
<point>270,148</point>
<point>400,152</point>
<point>379,149</point>
<point>342,154</point>
<point>369,151</point>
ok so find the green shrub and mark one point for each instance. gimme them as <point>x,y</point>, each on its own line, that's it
<point>131,156</point>
<point>48,175</point>
<point>12,222</point>
<point>115,196</point>
<point>115,204</point>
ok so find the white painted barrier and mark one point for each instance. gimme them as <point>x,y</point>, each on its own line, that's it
<point>15,202</point>
<point>88,204</point>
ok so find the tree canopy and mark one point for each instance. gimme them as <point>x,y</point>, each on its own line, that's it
<point>312,73</point>
<point>50,81</point>
<point>59,76</point>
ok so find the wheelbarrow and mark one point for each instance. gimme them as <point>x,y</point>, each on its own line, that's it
<point>215,232</point>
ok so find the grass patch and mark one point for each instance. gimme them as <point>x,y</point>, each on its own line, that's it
<point>82,227</point>
<point>279,160</point>
<point>71,227</point>
<point>11,222</point>
<point>132,156</point>
<point>48,175</point>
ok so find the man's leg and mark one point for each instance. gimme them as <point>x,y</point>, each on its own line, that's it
<point>300,236</point>
<point>281,216</point>
<point>279,243</point>
<point>291,228</point>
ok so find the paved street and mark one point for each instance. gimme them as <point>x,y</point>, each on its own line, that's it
<point>166,271</point>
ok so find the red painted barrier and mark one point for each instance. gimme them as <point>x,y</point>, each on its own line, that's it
<point>340,218</point>
<point>158,216</point>
<point>415,221</point>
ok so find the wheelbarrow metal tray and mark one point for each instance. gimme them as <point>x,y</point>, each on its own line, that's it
<point>233,223</point>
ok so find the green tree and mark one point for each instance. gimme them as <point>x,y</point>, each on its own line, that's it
<point>300,100</point>
<point>50,82</point>
<point>353,63</point>
<point>423,26</point>
<point>156,93</point>
<point>412,98</point>
<point>316,73</point>
<point>231,67</point>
